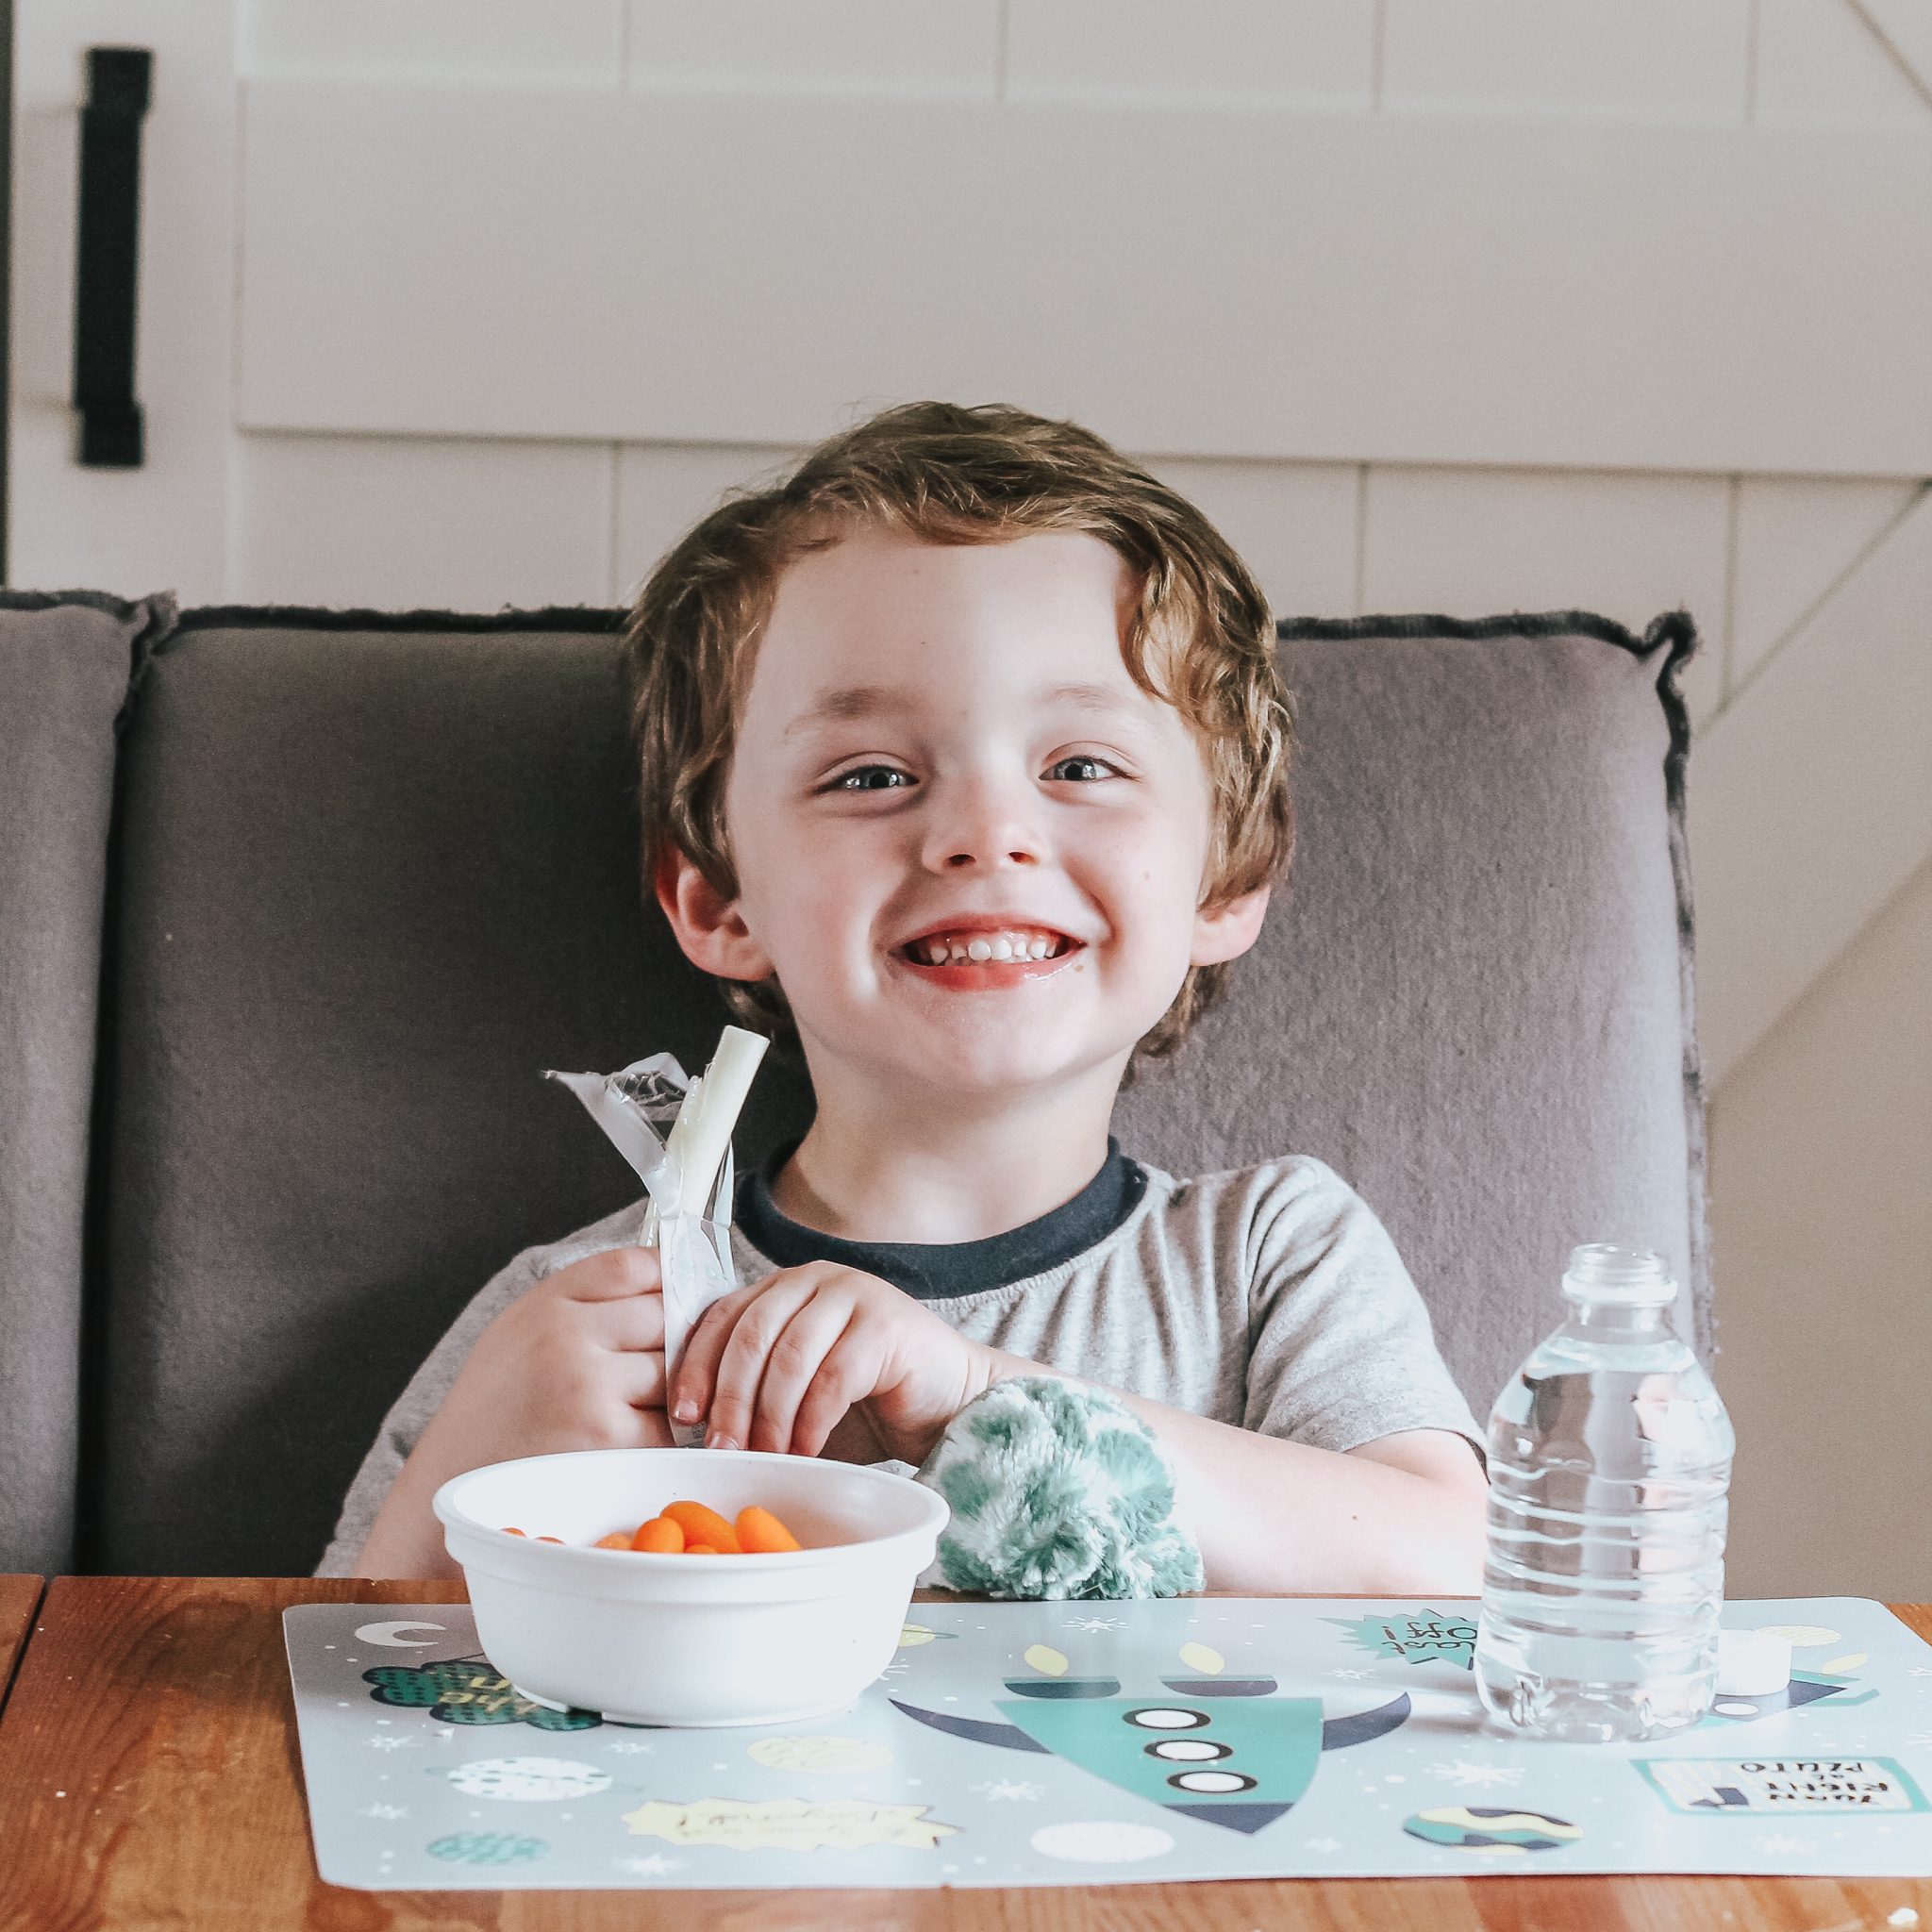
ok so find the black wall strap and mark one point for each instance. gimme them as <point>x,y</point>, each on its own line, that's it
<point>106,256</point>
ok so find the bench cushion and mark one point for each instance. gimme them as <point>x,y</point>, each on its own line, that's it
<point>1476,1000</point>
<point>65,662</point>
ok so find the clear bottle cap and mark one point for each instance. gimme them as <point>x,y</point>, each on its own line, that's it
<point>1622,1277</point>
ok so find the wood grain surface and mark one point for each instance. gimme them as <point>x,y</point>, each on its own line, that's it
<point>20,1596</point>
<point>150,1777</point>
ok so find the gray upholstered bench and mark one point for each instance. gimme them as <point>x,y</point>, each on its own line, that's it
<point>369,873</point>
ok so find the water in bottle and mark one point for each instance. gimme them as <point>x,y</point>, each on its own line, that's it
<point>1609,1458</point>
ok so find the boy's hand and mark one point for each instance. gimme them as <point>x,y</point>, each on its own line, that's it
<point>576,1362</point>
<point>777,1365</point>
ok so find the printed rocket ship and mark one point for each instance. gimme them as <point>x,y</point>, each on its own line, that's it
<point>1226,1750</point>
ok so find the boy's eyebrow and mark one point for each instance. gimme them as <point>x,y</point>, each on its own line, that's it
<point>1093,697</point>
<point>845,703</point>
<point>842,704</point>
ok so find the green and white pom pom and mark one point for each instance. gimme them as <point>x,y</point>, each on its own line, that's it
<point>1057,1489</point>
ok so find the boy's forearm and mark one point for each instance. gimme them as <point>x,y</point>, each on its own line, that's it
<point>405,1539</point>
<point>1271,1515</point>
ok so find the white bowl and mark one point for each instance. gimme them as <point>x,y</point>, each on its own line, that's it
<point>701,1641</point>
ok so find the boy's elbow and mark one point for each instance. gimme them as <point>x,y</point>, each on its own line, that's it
<point>1440,1546</point>
<point>1444,1555</point>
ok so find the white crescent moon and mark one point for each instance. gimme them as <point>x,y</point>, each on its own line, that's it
<point>386,1633</point>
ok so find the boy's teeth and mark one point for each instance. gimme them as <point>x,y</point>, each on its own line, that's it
<point>987,946</point>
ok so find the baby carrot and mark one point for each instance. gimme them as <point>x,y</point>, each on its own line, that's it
<point>617,1539</point>
<point>549,1539</point>
<point>760,1533</point>
<point>508,1531</point>
<point>699,1550</point>
<point>702,1526</point>
<point>662,1536</point>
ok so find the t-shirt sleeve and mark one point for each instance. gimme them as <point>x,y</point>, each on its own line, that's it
<point>1340,1350</point>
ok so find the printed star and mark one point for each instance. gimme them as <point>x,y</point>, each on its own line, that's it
<point>632,1747</point>
<point>1919,1671</point>
<point>1783,1845</point>
<point>1008,1788</point>
<point>391,1742</point>
<point>1350,1677</point>
<point>1091,1624</point>
<point>1919,1738</point>
<point>654,1865</point>
<point>385,1811</point>
<point>1322,1844</point>
<point>1460,1772</point>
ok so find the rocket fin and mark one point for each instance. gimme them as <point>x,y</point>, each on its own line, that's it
<point>1365,1727</point>
<point>1009,1736</point>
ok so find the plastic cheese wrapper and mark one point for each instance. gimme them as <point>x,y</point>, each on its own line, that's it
<point>675,1132</point>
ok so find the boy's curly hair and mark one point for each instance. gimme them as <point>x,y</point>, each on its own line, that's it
<point>1201,637</point>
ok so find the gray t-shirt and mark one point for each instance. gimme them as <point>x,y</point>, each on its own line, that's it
<point>1269,1297</point>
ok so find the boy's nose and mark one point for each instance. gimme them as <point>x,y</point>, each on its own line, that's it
<point>981,830</point>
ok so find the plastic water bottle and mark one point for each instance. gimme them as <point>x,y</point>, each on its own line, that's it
<point>1609,1458</point>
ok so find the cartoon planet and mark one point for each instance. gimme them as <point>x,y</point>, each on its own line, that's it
<point>528,1779</point>
<point>1494,1830</point>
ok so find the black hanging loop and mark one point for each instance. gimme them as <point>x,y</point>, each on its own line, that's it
<point>106,257</point>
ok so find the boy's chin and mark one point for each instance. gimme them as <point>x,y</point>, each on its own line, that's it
<point>1010,1063</point>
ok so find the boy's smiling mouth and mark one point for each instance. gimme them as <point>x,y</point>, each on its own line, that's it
<point>983,951</point>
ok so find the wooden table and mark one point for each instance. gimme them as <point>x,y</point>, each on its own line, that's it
<point>150,1777</point>
<point>20,1597</point>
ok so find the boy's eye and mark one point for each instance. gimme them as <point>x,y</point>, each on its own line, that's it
<point>1087,768</point>
<point>870,778</point>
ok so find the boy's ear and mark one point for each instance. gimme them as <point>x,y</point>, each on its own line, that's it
<point>1226,930</point>
<point>708,925</point>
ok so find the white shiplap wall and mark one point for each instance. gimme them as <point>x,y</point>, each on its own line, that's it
<point>1518,304</point>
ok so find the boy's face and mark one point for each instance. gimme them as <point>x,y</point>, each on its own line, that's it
<point>942,754</point>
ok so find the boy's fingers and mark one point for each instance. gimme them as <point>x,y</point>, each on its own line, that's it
<point>741,1360</point>
<point>848,1374</point>
<point>793,1365</point>
<point>639,1379</point>
<point>605,1278</point>
<point>629,1321</point>
<point>698,1364</point>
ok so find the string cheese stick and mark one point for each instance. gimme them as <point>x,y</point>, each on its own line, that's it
<point>701,1131</point>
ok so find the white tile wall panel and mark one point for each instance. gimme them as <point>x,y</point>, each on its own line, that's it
<point>662,492</point>
<point>401,522</point>
<point>1821,1227</point>
<point>1820,65</point>
<point>1650,60</point>
<point>435,42</point>
<point>1293,524</point>
<point>928,48</point>
<point>161,526</point>
<point>1797,538</point>
<point>1470,542</point>
<point>1810,795</point>
<point>1318,54</point>
<point>675,269</point>
<point>1906,27</point>
<point>1702,679</point>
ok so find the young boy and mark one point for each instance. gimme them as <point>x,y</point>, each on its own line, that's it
<point>965,761</point>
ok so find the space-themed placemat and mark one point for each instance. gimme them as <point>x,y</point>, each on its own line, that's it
<point>1054,1744</point>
